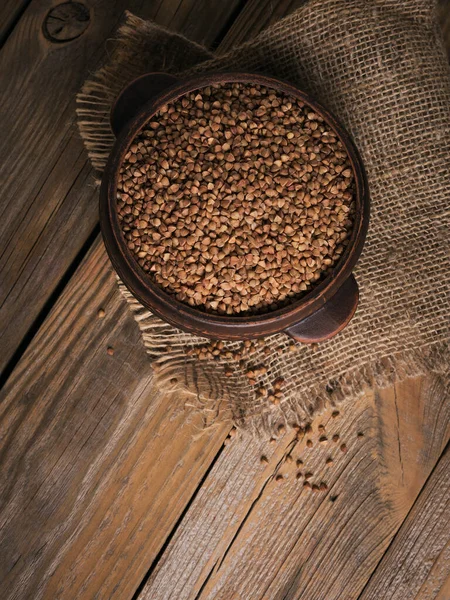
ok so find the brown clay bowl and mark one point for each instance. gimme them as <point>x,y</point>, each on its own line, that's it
<point>318,315</point>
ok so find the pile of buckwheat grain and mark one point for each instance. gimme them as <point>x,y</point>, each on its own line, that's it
<point>236,198</point>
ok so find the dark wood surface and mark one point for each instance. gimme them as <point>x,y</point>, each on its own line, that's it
<point>10,12</point>
<point>110,490</point>
<point>48,202</point>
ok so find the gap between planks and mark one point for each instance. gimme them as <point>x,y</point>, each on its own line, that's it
<point>39,549</point>
<point>248,535</point>
<point>417,563</point>
<point>11,12</point>
<point>87,470</point>
<point>50,213</point>
<point>96,466</point>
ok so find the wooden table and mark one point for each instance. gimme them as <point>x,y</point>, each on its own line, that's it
<point>109,489</point>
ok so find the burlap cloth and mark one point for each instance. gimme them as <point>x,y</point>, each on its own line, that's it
<point>380,65</point>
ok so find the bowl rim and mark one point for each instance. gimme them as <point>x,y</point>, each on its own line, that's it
<point>192,319</point>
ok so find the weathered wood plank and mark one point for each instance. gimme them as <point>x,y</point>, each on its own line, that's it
<point>86,462</point>
<point>95,467</point>
<point>247,535</point>
<point>444,22</point>
<point>65,532</point>
<point>69,518</point>
<point>256,16</point>
<point>10,11</point>
<point>48,202</point>
<point>417,564</point>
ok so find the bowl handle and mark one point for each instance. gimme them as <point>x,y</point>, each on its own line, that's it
<point>331,318</point>
<point>135,95</point>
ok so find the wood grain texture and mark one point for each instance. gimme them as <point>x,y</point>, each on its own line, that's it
<point>417,564</point>
<point>48,202</point>
<point>247,535</point>
<point>85,457</point>
<point>10,11</point>
<point>444,22</point>
<point>96,470</point>
<point>95,466</point>
<point>256,16</point>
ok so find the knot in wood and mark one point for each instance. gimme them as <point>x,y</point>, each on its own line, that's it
<point>66,22</point>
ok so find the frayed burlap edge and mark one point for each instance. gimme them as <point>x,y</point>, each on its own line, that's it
<point>124,65</point>
<point>172,372</point>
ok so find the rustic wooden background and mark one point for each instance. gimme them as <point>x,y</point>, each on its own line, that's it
<point>111,490</point>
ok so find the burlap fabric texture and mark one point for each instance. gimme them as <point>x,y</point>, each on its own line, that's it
<point>380,65</point>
